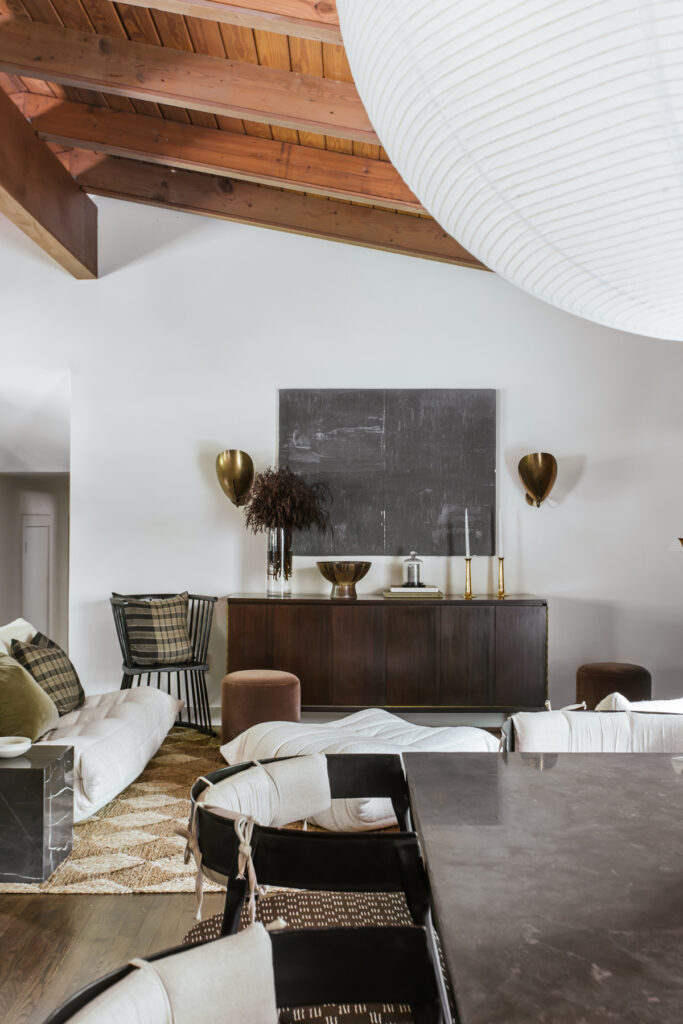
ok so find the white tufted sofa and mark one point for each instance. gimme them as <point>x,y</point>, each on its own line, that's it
<point>114,735</point>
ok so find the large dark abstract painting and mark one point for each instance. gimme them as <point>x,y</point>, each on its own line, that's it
<point>402,466</point>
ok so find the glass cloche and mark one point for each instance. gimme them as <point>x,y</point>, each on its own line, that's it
<point>413,568</point>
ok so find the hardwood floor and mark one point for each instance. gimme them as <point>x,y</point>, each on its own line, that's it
<point>53,945</point>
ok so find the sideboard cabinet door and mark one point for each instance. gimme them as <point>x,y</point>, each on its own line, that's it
<point>412,656</point>
<point>249,643</point>
<point>521,655</point>
<point>301,642</point>
<point>467,655</point>
<point>358,655</point>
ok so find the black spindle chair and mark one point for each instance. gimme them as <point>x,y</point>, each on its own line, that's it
<point>190,676</point>
<point>326,861</point>
<point>323,966</point>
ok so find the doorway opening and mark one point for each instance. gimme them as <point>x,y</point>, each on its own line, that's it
<point>35,428</point>
<point>34,551</point>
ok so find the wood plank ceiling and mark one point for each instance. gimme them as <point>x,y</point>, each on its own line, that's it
<point>245,111</point>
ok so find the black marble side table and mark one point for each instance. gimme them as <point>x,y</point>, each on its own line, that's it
<point>36,812</point>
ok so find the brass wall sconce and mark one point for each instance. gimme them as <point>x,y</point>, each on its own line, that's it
<point>538,472</point>
<point>235,472</point>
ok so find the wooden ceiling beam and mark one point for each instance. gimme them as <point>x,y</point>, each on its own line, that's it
<point>305,19</point>
<point>42,199</point>
<point>191,80</point>
<point>248,203</point>
<point>209,150</point>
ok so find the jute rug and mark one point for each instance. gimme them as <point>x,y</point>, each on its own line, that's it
<point>130,845</point>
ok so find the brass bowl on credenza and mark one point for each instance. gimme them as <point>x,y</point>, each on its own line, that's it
<point>343,576</point>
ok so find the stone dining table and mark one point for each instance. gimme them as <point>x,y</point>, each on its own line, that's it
<point>557,883</point>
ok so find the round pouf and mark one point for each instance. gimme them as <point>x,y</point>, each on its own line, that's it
<point>596,681</point>
<point>258,695</point>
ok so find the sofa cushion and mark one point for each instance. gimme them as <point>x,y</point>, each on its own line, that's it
<point>54,673</point>
<point>114,735</point>
<point>157,630</point>
<point>616,732</point>
<point>372,731</point>
<point>25,709</point>
<point>19,629</point>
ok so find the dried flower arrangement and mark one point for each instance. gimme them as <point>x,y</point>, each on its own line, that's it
<point>282,499</point>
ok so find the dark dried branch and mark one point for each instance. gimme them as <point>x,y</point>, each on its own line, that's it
<point>281,498</point>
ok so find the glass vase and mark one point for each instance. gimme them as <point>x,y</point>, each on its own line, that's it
<point>279,562</point>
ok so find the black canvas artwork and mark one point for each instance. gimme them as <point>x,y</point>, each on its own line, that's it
<point>402,466</point>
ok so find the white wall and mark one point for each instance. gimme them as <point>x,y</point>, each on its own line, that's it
<point>35,411</point>
<point>178,352</point>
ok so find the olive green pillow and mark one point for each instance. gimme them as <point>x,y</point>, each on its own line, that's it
<point>25,708</point>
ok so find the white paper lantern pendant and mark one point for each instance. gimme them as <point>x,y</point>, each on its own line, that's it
<point>546,137</point>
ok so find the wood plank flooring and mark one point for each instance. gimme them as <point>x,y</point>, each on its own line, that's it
<point>53,945</point>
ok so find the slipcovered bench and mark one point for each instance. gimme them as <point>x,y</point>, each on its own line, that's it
<point>645,727</point>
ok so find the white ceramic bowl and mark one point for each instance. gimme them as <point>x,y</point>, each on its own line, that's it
<point>13,746</point>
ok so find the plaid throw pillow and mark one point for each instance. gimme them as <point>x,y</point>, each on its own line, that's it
<point>40,640</point>
<point>52,670</point>
<point>157,630</point>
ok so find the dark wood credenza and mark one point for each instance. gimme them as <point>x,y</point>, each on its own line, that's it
<point>377,652</point>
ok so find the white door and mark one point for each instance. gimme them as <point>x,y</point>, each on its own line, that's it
<point>35,571</point>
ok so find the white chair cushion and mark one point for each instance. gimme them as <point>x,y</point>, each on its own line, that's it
<point>597,732</point>
<point>617,702</point>
<point>372,731</point>
<point>274,794</point>
<point>20,629</point>
<point>230,979</point>
<point>114,735</point>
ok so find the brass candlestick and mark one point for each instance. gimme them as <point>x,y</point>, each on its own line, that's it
<point>501,579</point>
<point>468,579</point>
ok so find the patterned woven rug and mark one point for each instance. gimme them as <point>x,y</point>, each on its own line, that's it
<point>130,845</point>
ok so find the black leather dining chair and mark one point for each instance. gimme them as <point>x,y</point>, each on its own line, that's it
<point>325,966</point>
<point>360,862</point>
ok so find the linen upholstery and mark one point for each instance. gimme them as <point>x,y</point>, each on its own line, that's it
<point>552,732</point>
<point>371,731</point>
<point>228,980</point>
<point>19,629</point>
<point>54,673</point>
<point>157,630</point>
<point>274,794</point>
<point>617,702</point>
<point>25,708</point>
<point>114,735</point>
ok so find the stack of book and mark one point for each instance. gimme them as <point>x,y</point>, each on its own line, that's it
<point>433,592</point>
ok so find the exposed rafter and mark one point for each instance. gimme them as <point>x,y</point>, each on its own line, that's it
<point>256,204</point>
<point>178,78</point>
<point>218,152</point>
<point>307,19</point>
<point>41,198</point>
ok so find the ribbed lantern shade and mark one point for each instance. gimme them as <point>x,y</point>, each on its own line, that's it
<point>545,136</point>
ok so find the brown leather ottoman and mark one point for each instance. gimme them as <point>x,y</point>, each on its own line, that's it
<point>593,682</point>
<point>258,695</point>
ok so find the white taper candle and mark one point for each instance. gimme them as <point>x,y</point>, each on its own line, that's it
<point>467,535</point>
<point>501,546</point>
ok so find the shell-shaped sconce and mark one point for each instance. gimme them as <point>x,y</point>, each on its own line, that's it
<point>538,472</point>
<point>235,472</point>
